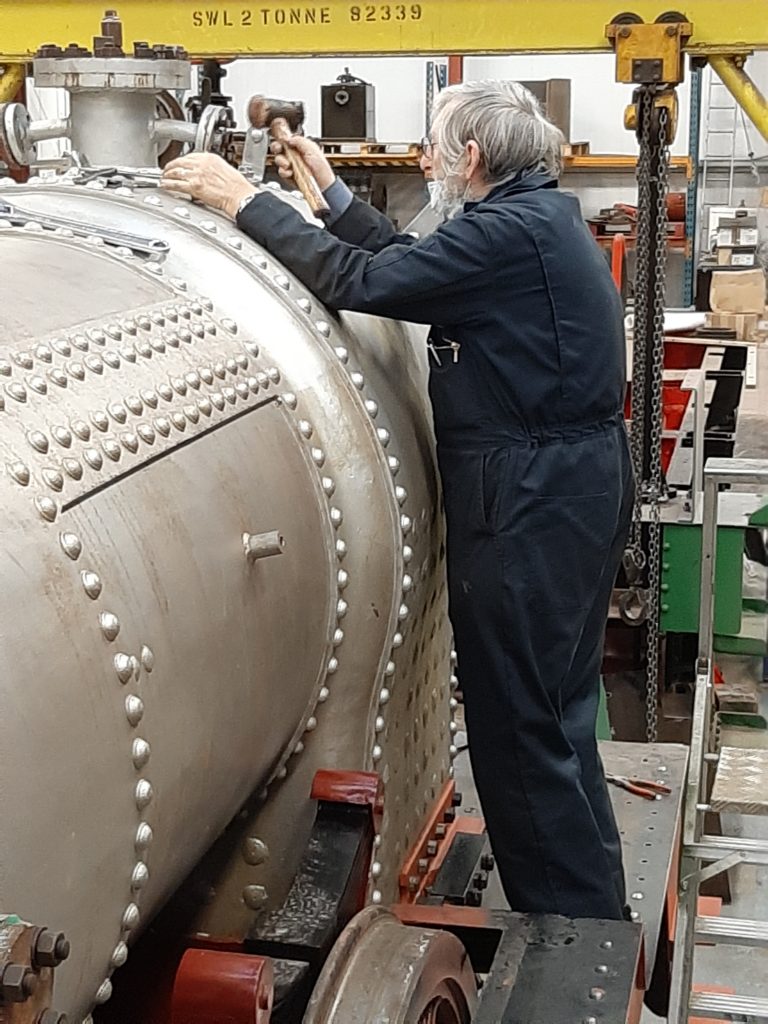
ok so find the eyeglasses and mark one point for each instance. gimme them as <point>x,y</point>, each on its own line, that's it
<point>428,147</point>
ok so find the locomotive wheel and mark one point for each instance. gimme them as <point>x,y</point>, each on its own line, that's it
<point>382,971</point>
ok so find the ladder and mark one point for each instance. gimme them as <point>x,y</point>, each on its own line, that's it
<point>740,785</point>
<point>722,118</point>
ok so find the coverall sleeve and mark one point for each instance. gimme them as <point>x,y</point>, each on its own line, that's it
<point>361,225</point>
<point>439,279</point>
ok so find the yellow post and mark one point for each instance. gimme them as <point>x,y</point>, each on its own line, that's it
<point>743,90</point>
<point>11,81</point>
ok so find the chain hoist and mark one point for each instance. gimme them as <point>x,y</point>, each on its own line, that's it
<point>651,490</point>
<point>650,57</point>
<point>643,559</point>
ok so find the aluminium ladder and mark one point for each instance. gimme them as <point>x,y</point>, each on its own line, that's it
<point>740,785</point>
<point>723,118</point>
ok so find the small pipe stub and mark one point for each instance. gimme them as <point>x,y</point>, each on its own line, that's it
<point>263,545</point>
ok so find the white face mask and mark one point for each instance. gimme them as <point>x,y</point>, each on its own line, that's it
<point>443,200</point>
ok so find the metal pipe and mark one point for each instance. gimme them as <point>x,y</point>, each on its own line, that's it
<point>263,545</point>
<point>744,91</point>
<point>55,129</point>
<point>11,81</point>
<point>177,131</point>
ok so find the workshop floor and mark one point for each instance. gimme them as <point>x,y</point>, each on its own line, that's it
<point>744,970</point>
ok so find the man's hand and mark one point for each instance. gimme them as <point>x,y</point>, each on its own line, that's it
<point>312,155</point>
<point>209,179</point>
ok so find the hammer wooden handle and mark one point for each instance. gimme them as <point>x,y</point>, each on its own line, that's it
<point>305,180</point>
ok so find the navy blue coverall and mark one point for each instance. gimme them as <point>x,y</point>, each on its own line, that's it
<point>538,489</point>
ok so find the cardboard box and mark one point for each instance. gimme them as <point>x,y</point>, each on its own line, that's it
<point>744,324</point>
<point>737,291</point>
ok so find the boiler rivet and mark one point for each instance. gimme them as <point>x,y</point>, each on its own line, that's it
<point>140,753</point>
<point>119,955</point>
<point>144,794</point>
<point>254,896</point>
<point>131,917</point>
<point>91,583</point>
<point>140,876</point>
<point>255,851</point>
<point>104,993</point>
<point>71,545</point>
<point>144,836</point>
<point>123,667</point>
<point>134,709</point>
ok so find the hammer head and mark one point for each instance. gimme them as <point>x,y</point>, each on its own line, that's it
<point>262,111</point>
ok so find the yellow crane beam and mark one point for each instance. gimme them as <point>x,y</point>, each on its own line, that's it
<point>251,28</point>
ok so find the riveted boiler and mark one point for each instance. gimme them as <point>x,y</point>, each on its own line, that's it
<point>222,559</point>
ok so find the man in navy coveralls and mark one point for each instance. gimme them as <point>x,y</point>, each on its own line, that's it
<point>527,384</point>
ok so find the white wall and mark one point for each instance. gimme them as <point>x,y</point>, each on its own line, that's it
<point>597,100</point>
<point>400,88</point>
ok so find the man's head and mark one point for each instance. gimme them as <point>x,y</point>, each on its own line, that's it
<point>484,134</point>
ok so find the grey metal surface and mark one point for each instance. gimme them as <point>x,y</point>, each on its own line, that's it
<point>729,1007</point>
<point>649,828</point>
<point>153,679</point>
<point>733,930</point>
<point>741,781</point>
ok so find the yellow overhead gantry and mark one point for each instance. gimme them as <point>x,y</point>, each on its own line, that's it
<point>254,28</point>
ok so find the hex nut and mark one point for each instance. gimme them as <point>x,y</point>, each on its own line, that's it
<point>17,983</point>
<point>51,949</point>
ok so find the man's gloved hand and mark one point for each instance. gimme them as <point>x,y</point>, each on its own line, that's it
<point>209,179</point>
<point>312,155</point>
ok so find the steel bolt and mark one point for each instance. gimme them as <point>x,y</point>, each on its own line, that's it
<point>449,814</point>
<point>423,865</point>
<point>487,862</point>
<point>413,883</point>
<point>440,831</point>
<point>431,847</point>
<point>51,949</point>
<point>456,799</point>
<point>473,898</point>
<point>17,983</point>
<point>480,880</point>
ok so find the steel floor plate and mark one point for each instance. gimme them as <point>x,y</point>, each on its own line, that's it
<point>648,827</point>
<point>741,782</point>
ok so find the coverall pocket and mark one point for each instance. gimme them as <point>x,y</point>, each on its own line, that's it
<point>565,542</point>
<point>494,470</point>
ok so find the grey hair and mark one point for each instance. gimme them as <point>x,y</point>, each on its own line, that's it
<point>506,121</point>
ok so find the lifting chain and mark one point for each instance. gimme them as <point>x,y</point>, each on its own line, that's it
<point>643,555</point>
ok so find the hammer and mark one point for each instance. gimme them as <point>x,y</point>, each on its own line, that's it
<point>284,119</point>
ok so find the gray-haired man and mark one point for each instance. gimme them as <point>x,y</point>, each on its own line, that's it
<point>532,452</point>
